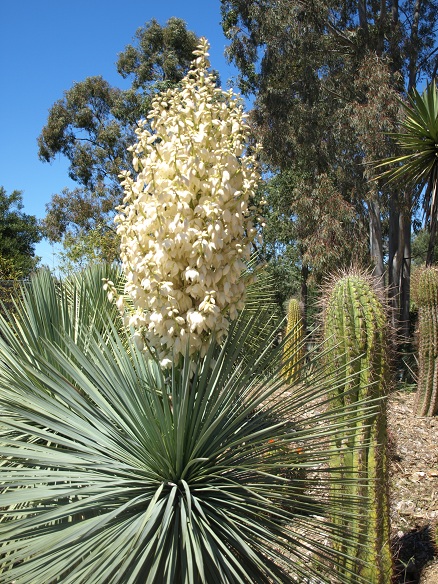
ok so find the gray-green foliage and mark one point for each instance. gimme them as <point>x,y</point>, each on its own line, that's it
<point>315,227</point>
<point>52,311</point>
<point>112,472</point>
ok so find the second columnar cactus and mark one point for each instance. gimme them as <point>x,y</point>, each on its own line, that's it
<point>425,295</point>
<point>356,332</point>
<point>293,347</point>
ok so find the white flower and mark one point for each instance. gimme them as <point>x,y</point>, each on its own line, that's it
<point>186,226</point>
<point>192,275</point>
<point>165,363</point>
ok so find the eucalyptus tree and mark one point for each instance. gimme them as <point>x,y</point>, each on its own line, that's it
<point>326,77</point>
<point>305,237</point>
<point>93,124</point>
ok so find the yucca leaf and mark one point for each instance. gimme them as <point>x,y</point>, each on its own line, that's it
<point>112,472</point>
<point>417,165</point>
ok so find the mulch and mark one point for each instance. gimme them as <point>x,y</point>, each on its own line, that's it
<point>413,490</point>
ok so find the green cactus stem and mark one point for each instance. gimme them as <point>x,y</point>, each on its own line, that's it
<point>294,344</point>
<point>425,295</point>
<point>356,332</point>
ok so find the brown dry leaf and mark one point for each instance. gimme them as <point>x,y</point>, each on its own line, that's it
<point>413,481</point>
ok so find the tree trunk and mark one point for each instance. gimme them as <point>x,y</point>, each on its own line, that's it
<point>399,264</point>
<point>405,275</point>
<point>394,14</point>
<point>363,22</point>
<point>376,248</point>
<point>394,261</point>
<point>304,294</point>
<point>400,215</point>
<point>381,28</point>
<point>394,49</point>
<point>433,219</point>
<point>414,44</point>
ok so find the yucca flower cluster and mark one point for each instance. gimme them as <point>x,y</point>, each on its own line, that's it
<point>187,224</point>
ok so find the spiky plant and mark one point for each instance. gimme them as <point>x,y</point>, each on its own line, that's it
<point>425,295</point>
<point>113,472</point>
<point>355,326</point>
<point>417,165</point>
<point>74,309</point>
<point>294,342</point>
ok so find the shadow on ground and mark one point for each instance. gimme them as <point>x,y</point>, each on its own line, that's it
<point>412,551</point>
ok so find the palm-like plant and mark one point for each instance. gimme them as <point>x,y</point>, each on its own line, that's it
<point>417,164</point>
<point>112,472</point>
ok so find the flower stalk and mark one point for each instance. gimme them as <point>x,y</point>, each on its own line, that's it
<point>187,224</point>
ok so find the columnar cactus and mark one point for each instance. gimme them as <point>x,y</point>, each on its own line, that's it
<point>356,332</point>
<point>425,295</point>
<point>293,347</point>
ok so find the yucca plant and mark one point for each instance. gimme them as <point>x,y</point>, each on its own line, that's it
<point>417,164</point>
<point>113,472</point>
<point>54,310</point>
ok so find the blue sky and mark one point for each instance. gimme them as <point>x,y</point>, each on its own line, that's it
<point>46,46</point>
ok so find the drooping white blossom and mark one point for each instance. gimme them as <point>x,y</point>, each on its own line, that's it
<point>186,225</point>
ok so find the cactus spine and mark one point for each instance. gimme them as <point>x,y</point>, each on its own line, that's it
<point>425,295</point>
<point>356,331</point>
<point>294,344</point>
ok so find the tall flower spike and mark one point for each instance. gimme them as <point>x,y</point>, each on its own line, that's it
<point>186,225</point>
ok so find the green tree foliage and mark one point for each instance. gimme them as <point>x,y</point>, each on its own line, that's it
<point>307,227</point>
<point>420,246</point>
<point>160,58</point>
<point>327,76</point>
<point>9,283</point>
<point>93,124</point>
<point>19,233</point>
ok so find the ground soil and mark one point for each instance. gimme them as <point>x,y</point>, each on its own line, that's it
<point>413,490</point>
